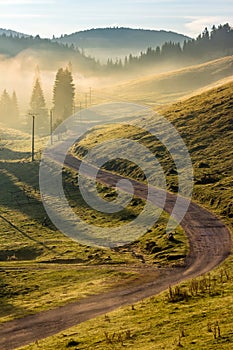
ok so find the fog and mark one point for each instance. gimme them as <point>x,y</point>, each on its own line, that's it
<point>18,74</point>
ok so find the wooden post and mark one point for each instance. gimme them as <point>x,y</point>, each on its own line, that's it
<point>33,138</point>
<point>51,126</point>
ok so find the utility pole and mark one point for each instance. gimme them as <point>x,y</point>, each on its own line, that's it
<point>51,126</point>
<point>33,137</point>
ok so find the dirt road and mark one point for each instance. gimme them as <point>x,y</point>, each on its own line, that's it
<point>210,244</point>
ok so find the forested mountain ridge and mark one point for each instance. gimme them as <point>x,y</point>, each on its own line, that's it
<point>104,43</point>
<point>121,37</point>
<point>9,32</point>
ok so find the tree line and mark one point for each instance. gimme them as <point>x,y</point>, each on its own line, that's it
<point>208,45</point>
<point>63,103</point>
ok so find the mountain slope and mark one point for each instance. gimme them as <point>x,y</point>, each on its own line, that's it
<point>205,124</point>
<point>168,87</point>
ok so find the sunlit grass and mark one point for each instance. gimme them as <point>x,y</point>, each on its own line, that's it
<point>201,319</point>
<point>30,288</point>
<point>164,88</point>
<point>205,123</point>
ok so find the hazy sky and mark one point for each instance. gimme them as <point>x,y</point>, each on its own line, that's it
<point>48,17</point>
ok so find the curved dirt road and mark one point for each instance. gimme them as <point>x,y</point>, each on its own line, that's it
<point>209,241</point>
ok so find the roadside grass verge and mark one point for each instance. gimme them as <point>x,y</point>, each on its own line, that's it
<point>30,288</point>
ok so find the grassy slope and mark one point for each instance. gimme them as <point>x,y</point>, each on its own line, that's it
<point>26,285</point>
<point>192,317</point>
<point>205,124</point>
<point>35,257</point>
<point>168,87</point>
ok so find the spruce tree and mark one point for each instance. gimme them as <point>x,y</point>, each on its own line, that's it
<point>38,108</point>
<point>63,95</point>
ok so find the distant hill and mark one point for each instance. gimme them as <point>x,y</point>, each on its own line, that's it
<point>119,42</point>
<point>45,53</point>
<point>9,32</point>
<point>121,37</point>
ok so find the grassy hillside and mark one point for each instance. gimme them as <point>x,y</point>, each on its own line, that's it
<point>205,124</point>
<point>198,314</point>
<point>40,267</point>
<point>22,212</point>
<point>35,258</point>
<point>168,87</point>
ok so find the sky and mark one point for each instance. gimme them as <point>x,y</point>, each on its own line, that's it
<point>56,17</point>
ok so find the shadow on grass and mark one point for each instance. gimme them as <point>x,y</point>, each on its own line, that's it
<point>8,154</point>
<point>28,173</point>
<point>16,199</point>
<point>6,308</point>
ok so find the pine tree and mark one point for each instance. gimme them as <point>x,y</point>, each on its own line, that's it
<point>63,95</point>
<point>38,108</point>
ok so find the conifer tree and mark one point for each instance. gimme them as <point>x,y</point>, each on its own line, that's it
<point>5,107</point>
<point>9,112</point>
<point>38,108</point>
<point>63,95</point>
